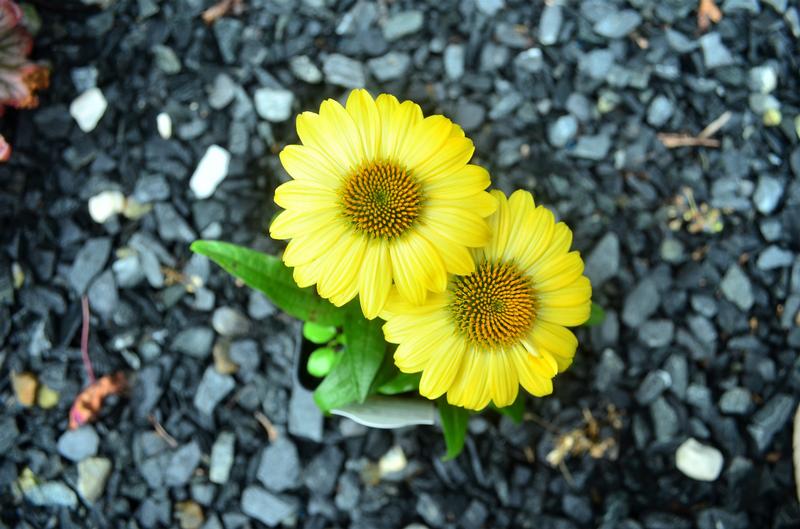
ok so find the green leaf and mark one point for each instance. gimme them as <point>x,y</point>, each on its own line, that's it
<point>352,377</point>
<point>454,426</point>
<point>336,389</point>
<point>596,316</point>
<point>269,275</point>
<point>318,334</point>
<point>365,348</point>
<point>321,361</point>
<point>400,383</point>
<point>516,410</point>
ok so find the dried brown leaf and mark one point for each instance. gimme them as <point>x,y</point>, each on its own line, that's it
<point>707,12</point>
<point>89,402</point>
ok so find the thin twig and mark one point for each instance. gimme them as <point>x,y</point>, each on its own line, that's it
<point>672,141</point>
<point>162,433</point>
<point>263,420</point>
<point>87,362</point>
<point>715,125</point>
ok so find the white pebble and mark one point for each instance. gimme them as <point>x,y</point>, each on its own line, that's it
<point>210,172</point>
<point>105,205</point>
<point>164,125</point>
<point>699,461</point>
<point>88,108</point>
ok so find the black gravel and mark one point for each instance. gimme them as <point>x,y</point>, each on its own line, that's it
<point>693,251</point>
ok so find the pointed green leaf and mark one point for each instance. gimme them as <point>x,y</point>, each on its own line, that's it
<point>321,361</point>
<point>454,426</point>
<point>596,316</point>
<point>336,389</point>
<point>365,348</point>
<point>516,410</point>
<point>318,334</point>
<point>269,275</point>
<point>400,383</point>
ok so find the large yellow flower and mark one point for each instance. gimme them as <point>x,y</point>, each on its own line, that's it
<point>380,196</point>
<point>503,324</point>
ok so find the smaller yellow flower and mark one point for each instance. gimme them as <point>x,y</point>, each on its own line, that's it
<point>503,324</point>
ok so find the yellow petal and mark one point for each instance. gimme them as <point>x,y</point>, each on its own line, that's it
<point>482,203</point>
<point>314,132</point>
<point>529,249</point>
<point>499,225</point>
<point>423,141</point>
<point>308,274</point>
<point>503,379</point>
<point>569,316</point>
<point>543,360</point>
<point>342,136</point>
<point>416,267</point>
<point>576,293</point>
<point>303,195</point>
<point>311,165</point>
<point>405,326</point>
<point>530,376</point>
<point>342,267</point>
<point>397,122</point>
<point>447,160</point>
<point>457,259</point>
<point>554,274</point>
<point>304,249</point>
<point>364,112</point>
<point>375,280</point>
<point>466,182</point>
<point>458,225</point>
<point>292,223</point>
<point>558,340</point>
<point>399,307</point>
<point>471,387</point>
<point>562,240</point>
<point>442,368</point>
<point>415,354</point>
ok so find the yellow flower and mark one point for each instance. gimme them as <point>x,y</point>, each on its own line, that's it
<point>380,196</point>
<point>504,324</point>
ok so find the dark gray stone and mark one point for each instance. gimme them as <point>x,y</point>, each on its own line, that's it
<point>393,65</point>
<point>454,61</point>
<point>770,419</point>
<point>774,257</point>
<point>617,24</point>
<point>592,147</point>
<point>89,261</point>
<point>736,287</point>
<point>76,445</point>
<point>222,92</point>
<point>768,193</point>
<point>657,333</point>
<point>665,420</point>
<point>715,53</point>
<point>653,385</point>
<point>603,261</point>
<point>322,472</point>
<point>279,469</point>
<point>194,341</point>
<point>228,321</point>
<point>305,417</point>
<point>659,111</point>
<point>267,508</point>
<point>343,71</point>
<point>641,303</point>
<point>212,389</point>
<point>402,24</point>
<point>562,130</point>
<point>609,371</point>
<point>430,510</point>
<point>182,465</point>
<point>550,24</point>
<point>736,401</point>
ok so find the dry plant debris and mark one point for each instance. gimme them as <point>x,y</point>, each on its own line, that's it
<point>587,438</point>
<point>684,211</point>
<point>707,12</point>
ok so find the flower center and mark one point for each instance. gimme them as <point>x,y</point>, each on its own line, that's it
<point>494,305</point>
<point>381,199</point>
